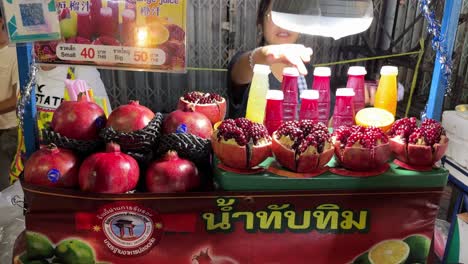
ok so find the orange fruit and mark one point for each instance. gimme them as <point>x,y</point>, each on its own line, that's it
<point>158,34</point>
<point>376,117</point>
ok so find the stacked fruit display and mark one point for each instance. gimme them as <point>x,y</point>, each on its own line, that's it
<point>134,150</point>
<point>306,146</point>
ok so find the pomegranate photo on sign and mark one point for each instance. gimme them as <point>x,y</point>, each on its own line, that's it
<point>240,143</point>
<point>205,257</point>
<point>361,149</point>
<point>302,146</point>
<point>418,146</point>
<point>212,105</point>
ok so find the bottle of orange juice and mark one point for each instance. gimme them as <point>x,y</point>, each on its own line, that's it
<point>387,91</point>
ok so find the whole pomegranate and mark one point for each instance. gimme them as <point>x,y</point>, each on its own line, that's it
<point>240,143</point>
<point>80,119</point>
<point>212,105</point>
<point>130,117</point>
<point>52,166</point>
<point>419,146</point>
<point>302,146</point>
<point>188,121</point>
<point>109,172</point>
<point>172,174</point>
<point>359,148</point>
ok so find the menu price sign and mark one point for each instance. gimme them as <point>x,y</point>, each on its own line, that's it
<point>141,34</point>
<point>110,54</point>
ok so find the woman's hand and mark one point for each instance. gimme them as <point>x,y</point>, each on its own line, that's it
<point>291,54</point>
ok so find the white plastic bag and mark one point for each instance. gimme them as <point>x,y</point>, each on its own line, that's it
<point>11,219</point>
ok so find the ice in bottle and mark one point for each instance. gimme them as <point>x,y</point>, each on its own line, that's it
<point>309,105</point>
<point>256,103</point>
<point>321,83</point>
<point>274,110</point>
<point>356,81</point>
<point>343,114</point>
<point>387,91</point>
<point>289,88</point>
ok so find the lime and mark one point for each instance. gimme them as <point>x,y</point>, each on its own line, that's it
<point>389,252</point>
<point>74,251</point>
<point>23,259</point>
<point>362,259</point>
<point>376,117</point>
<point>38,246</point>
<point>419,248</point>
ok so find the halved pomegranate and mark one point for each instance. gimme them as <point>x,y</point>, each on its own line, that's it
<point>240,143</point>
<point>361,149</point>
<point>302,146</point>
<point>421,146</point>
<point>212,105</point>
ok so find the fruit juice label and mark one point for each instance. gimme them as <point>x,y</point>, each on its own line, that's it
<point>321,83</point>
<point>256,103</point>
<point>343,114</point>
<point>145,229</point>
<point>356,81</point>
<point>387,91</point>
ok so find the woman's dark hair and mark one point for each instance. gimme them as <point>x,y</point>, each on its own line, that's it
<point>261,13</point>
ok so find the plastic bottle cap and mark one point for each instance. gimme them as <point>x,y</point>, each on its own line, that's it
<point>357,70</point>
<point>345,92</point>
<point>389,70</point>
<point>290,71</point>
<point>263,69</point>
<point>310,94</point>
<point>322,71</point>
<point>275,95</point>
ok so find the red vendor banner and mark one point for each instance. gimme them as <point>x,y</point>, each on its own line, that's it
<point>257,227</point>
<point>130,34</point>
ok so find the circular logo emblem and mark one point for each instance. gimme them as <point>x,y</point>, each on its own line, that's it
<point>129,229</point>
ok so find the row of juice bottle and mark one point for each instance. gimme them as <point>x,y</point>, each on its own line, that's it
<point>272,107</point>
